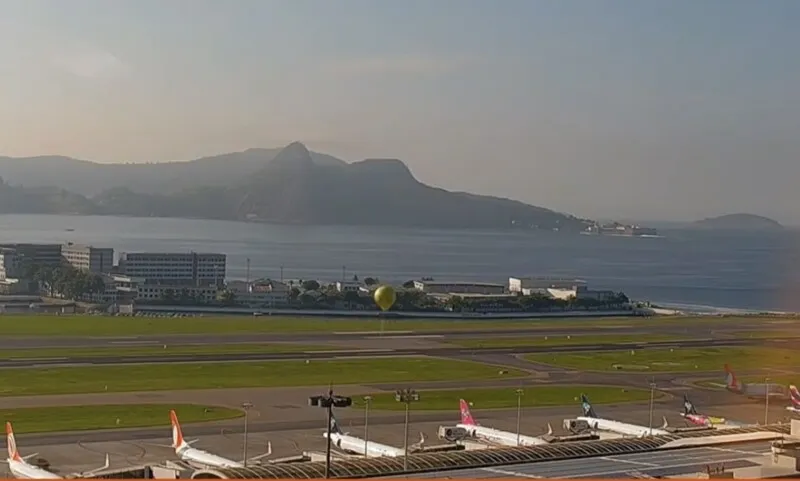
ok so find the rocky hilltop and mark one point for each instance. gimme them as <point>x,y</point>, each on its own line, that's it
<point>290,185</point>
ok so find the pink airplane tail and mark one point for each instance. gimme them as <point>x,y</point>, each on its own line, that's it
<point>466,416</point>
<point>795,395</point>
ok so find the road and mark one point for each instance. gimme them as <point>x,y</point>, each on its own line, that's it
<point>371,353</point>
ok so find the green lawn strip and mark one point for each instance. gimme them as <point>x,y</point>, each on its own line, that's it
<point>763,334</point>
<point>562,340</point>
<point>41,353</point>
<point>82,325</point>
<point>226,375</point>
<point>503,398</point>
<point>673,360</point>
<point>110,416</point>
<point>85,325</point>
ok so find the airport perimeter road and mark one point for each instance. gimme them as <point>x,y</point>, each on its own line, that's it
<point>634,328</point>
<point>460,352</point>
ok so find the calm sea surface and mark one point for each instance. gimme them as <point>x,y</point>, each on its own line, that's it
<point>699,269</point>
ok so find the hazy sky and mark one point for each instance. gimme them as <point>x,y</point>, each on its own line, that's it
<point>649,109</point>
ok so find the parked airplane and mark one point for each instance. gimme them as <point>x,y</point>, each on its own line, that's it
<point>495,436</point>
<point>600,424</point>
<point>21,469</point>
<point>794,396</point>
<point>370,449</point>
<point>690,414</point>
<point>753,390</point>
<point>187,453</point>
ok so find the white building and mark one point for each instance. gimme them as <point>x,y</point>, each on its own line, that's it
<point>138,289</point>
<point>9,264</point>
<point>263,292</point>
<point>175,269</point>
<point>432,287</point>
<point>542,284</point>
<point>348,286</point>
<point>99,260</point>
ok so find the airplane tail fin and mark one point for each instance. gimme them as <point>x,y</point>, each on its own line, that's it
<point>730,380</point>
<point>588,410</point>
<point>666,423</point>
<point>794,394</point>
<point>466,416</point>
<point>335,429</point>
<point>12,443</point>
<point>177,434</point>
<point>688,406</point>
<point>549,430</point>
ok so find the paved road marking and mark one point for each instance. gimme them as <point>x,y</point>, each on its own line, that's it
<point>136,342</point>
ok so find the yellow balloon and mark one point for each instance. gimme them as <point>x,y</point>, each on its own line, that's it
<point>385,297</point>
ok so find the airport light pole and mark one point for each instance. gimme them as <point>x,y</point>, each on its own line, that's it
<point>367,400</point>
<point>652,397</point>
<point>766,401</point>
<point>328,402</point>
<point>246,406</point>
<point>519,392</point>
<point>406,396</point>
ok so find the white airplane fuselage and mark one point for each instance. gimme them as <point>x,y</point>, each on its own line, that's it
<point>205,458</point>
<point>23,470</point>
<point>355,445</point>
<point>500,437</point>
<point>620,427</point>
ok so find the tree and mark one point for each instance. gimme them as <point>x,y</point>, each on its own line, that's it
<point>408,284</point>
<point>311,285</point>
<point>227,297</point>
<point>168,295</point>
<point>352,297</point>
<point>369,281</point>
<point>294,293</point>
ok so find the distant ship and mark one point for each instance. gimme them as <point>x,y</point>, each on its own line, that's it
<point>620,230</point>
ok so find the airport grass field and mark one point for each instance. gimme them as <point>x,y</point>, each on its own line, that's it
<point>226,375</point>
<point>144,351</point>
<point>503,398</point>
<point>110,416</point>
<point>674,360</point>
<point>108,326</point>
<point>562,340</point>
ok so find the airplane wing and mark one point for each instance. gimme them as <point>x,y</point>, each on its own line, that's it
<point>260,456</point>
<point>94,471</point>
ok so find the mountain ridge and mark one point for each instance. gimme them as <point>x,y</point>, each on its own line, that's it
<point>298,186</point>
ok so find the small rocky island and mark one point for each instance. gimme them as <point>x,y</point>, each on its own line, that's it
<point>739,222</point>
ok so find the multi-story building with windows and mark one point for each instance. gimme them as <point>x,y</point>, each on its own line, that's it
<point>175,269</point>
<point>99,260</point>
<point>40,254</point>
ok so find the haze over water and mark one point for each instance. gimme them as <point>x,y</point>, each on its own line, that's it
<point>743,271</point>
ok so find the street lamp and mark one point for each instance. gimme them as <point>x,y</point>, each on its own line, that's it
<point>766,401</point>
<point>652,397</point>
<point>246,406</point>
<point>406,396</point>
<point>519,392</point>
<point>329,401</point>
<point>367,400</point>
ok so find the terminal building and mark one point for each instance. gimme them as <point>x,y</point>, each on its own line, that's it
<point>455,287</point>
<point>753,452</point>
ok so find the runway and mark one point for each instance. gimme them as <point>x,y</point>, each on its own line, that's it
<point>371,353</point>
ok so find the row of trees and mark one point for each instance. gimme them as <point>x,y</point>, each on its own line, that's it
<point>65,281</point>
